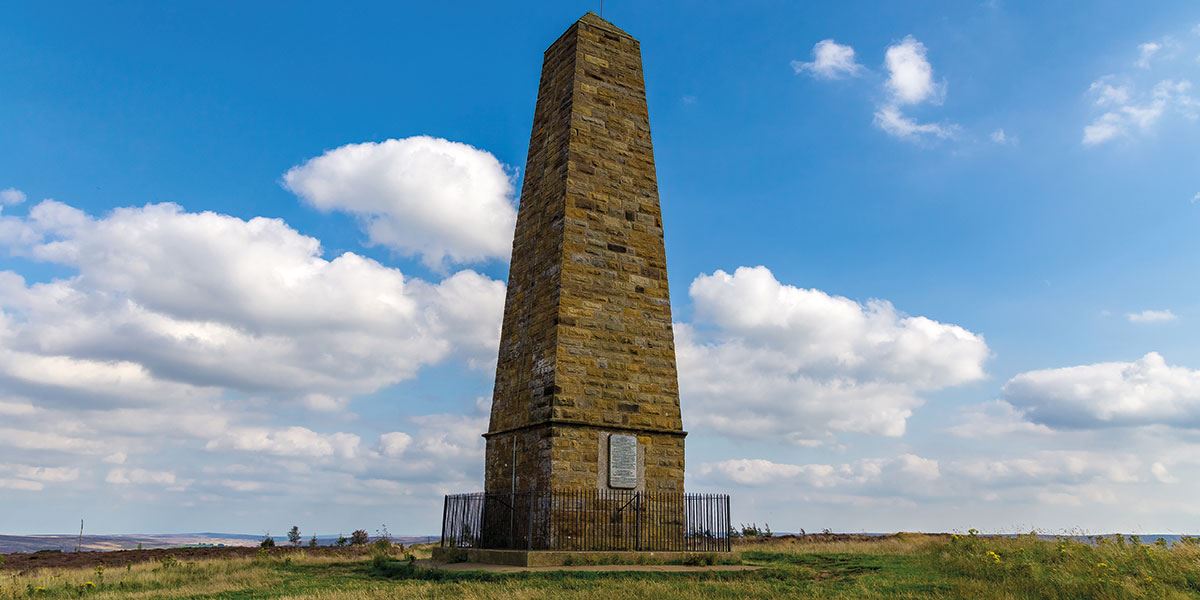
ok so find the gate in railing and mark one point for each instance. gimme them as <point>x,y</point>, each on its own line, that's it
<point>605,520</point>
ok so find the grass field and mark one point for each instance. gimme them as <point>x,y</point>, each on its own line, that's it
<point>902,566</point>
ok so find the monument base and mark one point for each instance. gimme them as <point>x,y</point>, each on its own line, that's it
<point>561,558</point>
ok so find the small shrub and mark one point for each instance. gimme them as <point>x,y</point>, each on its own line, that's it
<point>312,543</point>
<point>753,531</point>
<point>382,533</point>
<point>359,537</point>
<point>267,541</point>
<point>294,535</point>
<point>699,560</point>
<point>382,546</point>
<point>341,540</point>
<point>408,569</point>
<point>380,561</point>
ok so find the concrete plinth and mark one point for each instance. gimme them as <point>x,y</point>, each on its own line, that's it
<point>557,558</point>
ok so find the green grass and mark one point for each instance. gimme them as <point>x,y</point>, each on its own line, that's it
<point>905,566</point>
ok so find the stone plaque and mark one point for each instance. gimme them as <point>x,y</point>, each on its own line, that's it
<point>622,461</point>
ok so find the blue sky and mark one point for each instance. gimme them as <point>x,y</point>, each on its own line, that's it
<point>976,224</point>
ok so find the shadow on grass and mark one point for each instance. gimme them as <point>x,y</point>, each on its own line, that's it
<point>404,570</point>
<point>844,565</point>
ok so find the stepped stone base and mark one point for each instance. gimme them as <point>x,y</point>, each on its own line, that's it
<point>559,558</point>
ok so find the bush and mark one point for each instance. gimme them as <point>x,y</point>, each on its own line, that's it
<point>753,531</point>
<point>699,560</point>
<point>408,569</point>
<point>312,543</point>
<point>382,546</point>
<point>381,553</point>
<point>267,541</point>
<point>359,537</point>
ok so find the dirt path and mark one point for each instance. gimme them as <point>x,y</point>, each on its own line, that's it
<point>26,561</point>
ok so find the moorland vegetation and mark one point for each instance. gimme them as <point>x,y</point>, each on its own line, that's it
<point>818,566</point>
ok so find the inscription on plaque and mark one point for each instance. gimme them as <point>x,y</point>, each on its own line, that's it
<point>622,461</point>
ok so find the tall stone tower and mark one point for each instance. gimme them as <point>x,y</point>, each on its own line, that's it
<point>586,394</point>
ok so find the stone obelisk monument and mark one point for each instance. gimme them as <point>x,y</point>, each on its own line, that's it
<point>586,394</point>
<point>585,446</point>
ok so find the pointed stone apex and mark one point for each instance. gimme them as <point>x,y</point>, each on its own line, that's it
<point>595,20</point>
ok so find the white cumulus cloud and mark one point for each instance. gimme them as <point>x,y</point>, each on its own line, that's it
<point>1162,474</point>
<point>1004,138</point>
<point>23,485</point>
<point>910,76</point>
<point>766,358</point>
<point>123,476</point>
<point>47,440</point>
<point>1108,94</point>
<point>1052,467</point>
<point>443,200</point>
<point>1130,113</point>
<point>10,196</point>
<point>910,82</point>
<point>831,60</point>
<point>1151,316</point>
<point>42,474</point>
<point>169,305</point>
<point>756,472</point>
<point>1146,391</point>
<point>1146,52</point>
<point>289,441</point>
<point>995,419</point>
<point>394,443</point>
<point>891,120</point>
<point>165,331</point>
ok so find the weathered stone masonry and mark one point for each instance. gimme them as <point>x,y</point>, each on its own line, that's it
<point>587,348</point>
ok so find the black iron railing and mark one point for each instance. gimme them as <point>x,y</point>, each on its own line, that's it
<point>593,520</point>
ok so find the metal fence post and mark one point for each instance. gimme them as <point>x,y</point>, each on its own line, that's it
<point>637,522</point>
<point>590,520</point>
<point>445,505</point>
<point>529,524</point>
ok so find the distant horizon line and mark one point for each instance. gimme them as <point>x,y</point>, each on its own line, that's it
<point>437,535</point>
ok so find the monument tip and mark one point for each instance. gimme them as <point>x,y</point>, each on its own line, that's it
<point>595,20</point>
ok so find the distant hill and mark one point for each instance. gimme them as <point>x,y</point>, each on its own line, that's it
<point>104,543</point>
